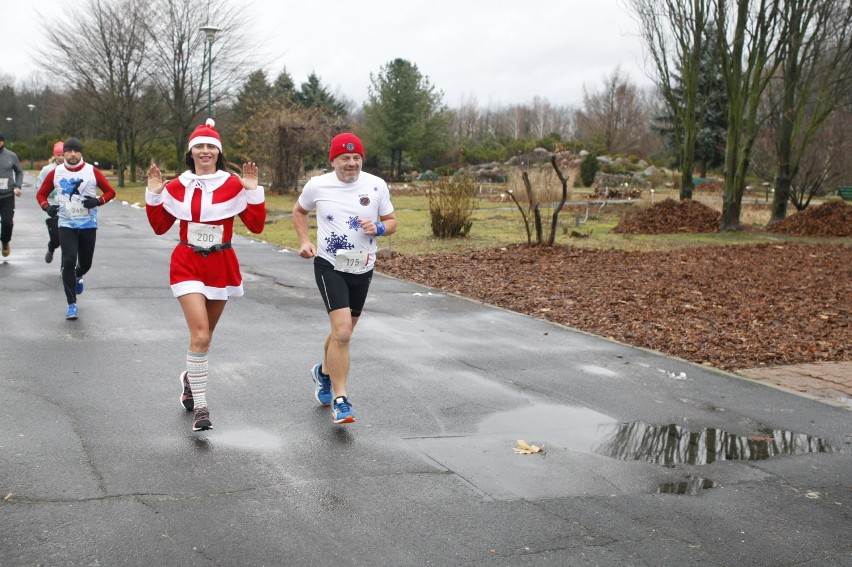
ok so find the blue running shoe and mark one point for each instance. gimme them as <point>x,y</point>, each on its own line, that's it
<point>72,311</point>
<point>323,382</point>
<point>342,411</point>
<point>79,286</point>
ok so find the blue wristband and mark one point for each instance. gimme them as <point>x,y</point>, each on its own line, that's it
<point>380,228</point>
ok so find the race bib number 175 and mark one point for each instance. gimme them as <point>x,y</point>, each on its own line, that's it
<point>351,261</point>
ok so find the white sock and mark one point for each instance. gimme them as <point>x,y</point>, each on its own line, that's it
<point>196,369</point>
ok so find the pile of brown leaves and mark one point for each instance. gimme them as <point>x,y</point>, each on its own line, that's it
<point>730,307</point>
<point>832,218</point>
<point>670,216</point>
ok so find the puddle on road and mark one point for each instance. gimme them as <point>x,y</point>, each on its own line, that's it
<point>583,429</point>
<point>671,445</point>
<point>689,487</point>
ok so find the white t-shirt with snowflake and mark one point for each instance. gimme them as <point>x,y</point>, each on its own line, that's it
<point>338,207</point>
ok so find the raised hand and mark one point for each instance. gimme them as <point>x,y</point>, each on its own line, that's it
<point>249,178</point>
<point>155,179</point>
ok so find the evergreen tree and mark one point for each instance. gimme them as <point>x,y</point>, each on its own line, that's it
<point>588,169</point>
<point>254,94</point>
<point>711,112</point>
<point>404,113</point>
<point>284,88</point>
<point>312,94</point>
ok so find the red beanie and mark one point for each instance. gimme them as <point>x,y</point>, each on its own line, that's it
<point>205,134</point>
<point>58,148</point>
<point>345,143</point>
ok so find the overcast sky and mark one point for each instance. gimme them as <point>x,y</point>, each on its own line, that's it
<point>496,52</point>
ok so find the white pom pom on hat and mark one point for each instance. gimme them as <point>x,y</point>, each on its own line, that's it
<point>205,134</point>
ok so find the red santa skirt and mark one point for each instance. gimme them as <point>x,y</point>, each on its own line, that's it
<point>216,275</point>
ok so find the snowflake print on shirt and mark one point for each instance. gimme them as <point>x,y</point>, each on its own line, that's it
<point>337,242</point>
<point>338,207</point>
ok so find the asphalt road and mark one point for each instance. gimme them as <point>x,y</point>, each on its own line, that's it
<point>647,460</point>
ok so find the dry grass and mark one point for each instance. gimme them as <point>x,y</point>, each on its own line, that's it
<point>755,210</point>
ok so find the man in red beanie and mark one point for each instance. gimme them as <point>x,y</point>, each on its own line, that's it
<point>51,222</point>
<point>353,209</point>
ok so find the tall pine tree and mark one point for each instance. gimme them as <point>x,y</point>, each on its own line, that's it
<point>404,113</point>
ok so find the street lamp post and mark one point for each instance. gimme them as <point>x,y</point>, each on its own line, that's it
<point>210,32</point>
<point>9,125</point>
<point>32,133</point>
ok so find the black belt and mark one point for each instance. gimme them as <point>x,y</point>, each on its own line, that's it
<point>205,251</point>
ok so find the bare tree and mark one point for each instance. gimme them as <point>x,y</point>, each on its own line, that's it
<point>466,120</point>
<point>540,196</point>
<point>178,63</point>
<point>822,161</point>
<point>614,119</point>
<point>562,121</point>
<point>673,33</point>
<point>104,62</point>
<point>815,75</point>
<point>531,121</point>
<point>489,122</point>
<point>541,116</point>
<point>514,121</point>
<point>749,45</point>
<point>299,132</point>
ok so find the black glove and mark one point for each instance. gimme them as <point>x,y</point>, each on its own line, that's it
<point>91,202</point>
<point>52,210</point>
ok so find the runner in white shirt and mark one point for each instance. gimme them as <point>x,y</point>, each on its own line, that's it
<point>353,208</point>
<point>76,184</point>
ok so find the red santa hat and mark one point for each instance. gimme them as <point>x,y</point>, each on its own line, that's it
<point>205,134</point>
<point>345,143</point>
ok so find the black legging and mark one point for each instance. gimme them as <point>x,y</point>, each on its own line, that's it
<point>78,249</point>
<point>52,232</point>
<point>7,213</point>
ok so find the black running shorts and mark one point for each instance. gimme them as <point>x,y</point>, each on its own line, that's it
<point>341,289</point>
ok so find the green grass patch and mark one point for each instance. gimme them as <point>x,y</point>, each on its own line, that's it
<point>498,224</point>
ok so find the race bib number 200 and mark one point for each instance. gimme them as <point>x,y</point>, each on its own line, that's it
<point>351,261</point>
<point>205,235</point>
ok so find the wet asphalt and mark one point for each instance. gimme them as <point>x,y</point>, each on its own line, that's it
<point>645,460</point>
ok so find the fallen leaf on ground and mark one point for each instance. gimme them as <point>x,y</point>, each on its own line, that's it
<point>525,448</point>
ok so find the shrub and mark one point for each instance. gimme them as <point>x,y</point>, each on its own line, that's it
<point>451,206</point>
<point>658,178</point>
<point>588,169</point>
<point>617,168</point>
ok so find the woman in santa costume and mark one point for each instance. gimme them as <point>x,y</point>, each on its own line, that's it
<point>204,270</point>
